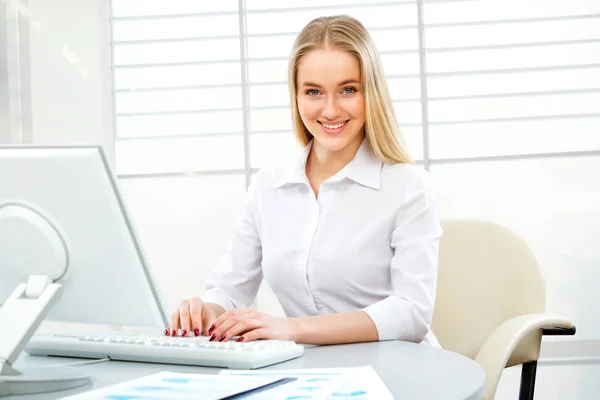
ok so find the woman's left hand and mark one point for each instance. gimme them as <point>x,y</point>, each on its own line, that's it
<point>250,325</point>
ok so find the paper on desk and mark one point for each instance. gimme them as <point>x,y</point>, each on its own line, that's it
<point>172,385</point>
<point>308,385</point>
<point>352,383</point>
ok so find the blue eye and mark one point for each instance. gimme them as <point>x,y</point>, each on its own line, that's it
<point>312,92</point>
<point>349,90</point>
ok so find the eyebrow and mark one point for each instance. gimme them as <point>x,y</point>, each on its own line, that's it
<point>346,82</point>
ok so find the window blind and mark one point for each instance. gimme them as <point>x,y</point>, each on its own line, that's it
<point>201,86</point>
<point>512,78</point>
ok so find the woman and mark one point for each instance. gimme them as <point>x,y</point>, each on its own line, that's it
<point>347,235</point>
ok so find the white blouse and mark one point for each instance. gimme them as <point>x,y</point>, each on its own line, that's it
<point>369,242</point>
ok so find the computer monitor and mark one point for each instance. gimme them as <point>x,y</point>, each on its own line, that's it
<point>68,249</point>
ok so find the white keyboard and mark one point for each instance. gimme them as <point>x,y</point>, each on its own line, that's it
<point>129,346</point>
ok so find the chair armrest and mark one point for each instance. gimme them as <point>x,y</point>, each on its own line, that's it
<point>496,350</point>
<point>557,331</point>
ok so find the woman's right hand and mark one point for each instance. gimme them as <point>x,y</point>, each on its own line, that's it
<point>193,317</point>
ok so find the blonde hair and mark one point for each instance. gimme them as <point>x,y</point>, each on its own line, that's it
<point>348,34</point>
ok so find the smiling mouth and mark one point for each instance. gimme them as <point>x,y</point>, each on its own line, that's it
<point>334,126</point>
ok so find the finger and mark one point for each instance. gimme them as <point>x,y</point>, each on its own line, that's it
<point>242,328</point>
<point>184,316</point>
<point>230,318</point>
<point>221,319</point>
<point>228,314</point>
<point>196,312</point>
<point>226,321</point>
<point>208,320</point>
<point>234,327</point>
<point>256,334</point>
<point>172,330</point>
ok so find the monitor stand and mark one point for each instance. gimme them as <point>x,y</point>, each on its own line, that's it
<point>20,317</point>
<point>28,305</point>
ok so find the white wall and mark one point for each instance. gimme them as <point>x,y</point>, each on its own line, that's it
<point>4,121</point>
<point>71,91</point>
<point>183,223</point>
<point>13,121</point>
<point>4,124</point>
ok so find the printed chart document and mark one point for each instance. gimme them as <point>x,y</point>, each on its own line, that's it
<point>172,385</point>
<point>353,383</point>
<point>309,384</point>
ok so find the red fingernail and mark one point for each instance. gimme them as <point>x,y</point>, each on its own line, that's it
<point>196,331</point>
<point>184,333</point>
<point>222,338</point>
<point>174,332</point>
<point>240,339</point>
<point>212,328</point>
<point>167,331</point>
<point>212,337</point>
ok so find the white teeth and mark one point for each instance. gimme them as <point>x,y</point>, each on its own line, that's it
<point>334,126</point>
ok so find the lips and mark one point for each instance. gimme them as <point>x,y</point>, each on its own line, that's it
<point>334,127</point>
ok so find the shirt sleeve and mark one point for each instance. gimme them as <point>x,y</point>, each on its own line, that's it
<point>407,313</point>
<point>235,280</point>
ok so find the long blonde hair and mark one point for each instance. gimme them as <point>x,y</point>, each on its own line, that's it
<point>347,34</point>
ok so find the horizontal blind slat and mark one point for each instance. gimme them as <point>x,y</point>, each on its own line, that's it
<point>490,10</point>
<point>515,58</point>
<point>499,83</point>
<point>134,8</point>
<point>514,137</point>
<point>177,52</point>
<point>208,26</point>
<point>179,100</point>
<point>178,76</point>
<point>513,33</point>
<point>273,6</point>
<point>509,107</point>
<point>372,17</point>
<point>180,124</point>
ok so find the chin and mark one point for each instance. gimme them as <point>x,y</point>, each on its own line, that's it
<point>333,144</point>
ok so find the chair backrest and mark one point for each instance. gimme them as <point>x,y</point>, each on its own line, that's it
<point>487,275</point>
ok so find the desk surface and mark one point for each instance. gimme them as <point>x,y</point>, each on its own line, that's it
<point>410,371</point>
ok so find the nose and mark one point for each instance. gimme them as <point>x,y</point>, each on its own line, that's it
<point>331,110</point>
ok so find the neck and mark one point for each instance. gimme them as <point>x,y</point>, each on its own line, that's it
<point>325,163</point>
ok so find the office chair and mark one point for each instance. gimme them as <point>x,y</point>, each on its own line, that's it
<point>491,300</point>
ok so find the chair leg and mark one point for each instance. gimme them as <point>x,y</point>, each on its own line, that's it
<point>527,380</point>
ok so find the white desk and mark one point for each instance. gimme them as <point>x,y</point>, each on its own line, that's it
<point>409,370</point>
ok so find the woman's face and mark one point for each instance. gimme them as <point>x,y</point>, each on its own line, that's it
<point>330,99</point>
